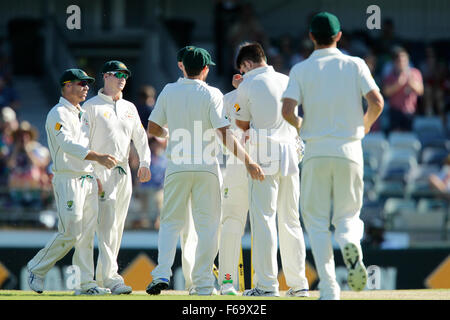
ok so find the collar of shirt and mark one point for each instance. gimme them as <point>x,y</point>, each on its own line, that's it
<point>70,106</point>
<point>108,99</point>
<point>325,52</point>
<point>191,81</point>
<point>258,70</point>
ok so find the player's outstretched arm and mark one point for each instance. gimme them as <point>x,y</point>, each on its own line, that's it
<point>102,158</point>
<point>231,142</point>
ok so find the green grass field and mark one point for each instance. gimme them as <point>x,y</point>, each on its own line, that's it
<point>442,294</point>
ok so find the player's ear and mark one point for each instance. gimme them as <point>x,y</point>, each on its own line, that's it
<point>338,36</point>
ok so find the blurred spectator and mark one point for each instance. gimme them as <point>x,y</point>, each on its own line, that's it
<point>246,29</point>
<point>385,43</point>
<point>226,13</point>
<point>441,181</point>
<point>146,102</point>
<point>434,73</point>
<point>402,87</point>
<point>8,95</point>
<point>27,165</point>
<point>8,124</point>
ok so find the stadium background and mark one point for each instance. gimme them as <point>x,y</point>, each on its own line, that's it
<point>407,221</point>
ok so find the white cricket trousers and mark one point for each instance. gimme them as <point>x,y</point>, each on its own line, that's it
<point>277,196</point>
<point>76,202</point>
<point>204,190</point>
<point>234,216</point>
<point>188,242</point>
<point>331,183</point>
<point>113,209</point>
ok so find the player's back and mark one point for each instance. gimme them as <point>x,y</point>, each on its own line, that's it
<point>192,111</point>
<point>264,93</point>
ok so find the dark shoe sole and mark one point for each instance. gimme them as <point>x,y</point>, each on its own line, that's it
<point>156,289</point>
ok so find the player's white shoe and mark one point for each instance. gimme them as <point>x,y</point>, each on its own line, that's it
<point>297,293</point>
<point>194,292</point>
<point>260,293</point>
<point>357,273</point>
<point>95,291</point>
<point>35,283</point>
<point>227,289</point>
<point>121,288</point>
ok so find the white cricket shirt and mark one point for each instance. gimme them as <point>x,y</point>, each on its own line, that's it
<point>259,101</point>
<point>330,86</point>
<point>68,139</point>
<point>114,124</point>
<point>192,111</point>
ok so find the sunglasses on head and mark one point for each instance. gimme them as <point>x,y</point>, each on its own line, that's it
<point>119,75</point>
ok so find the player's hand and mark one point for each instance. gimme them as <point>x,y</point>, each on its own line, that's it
<point>144,174</point>
<point>107,160</point>
<point>236,81</point>
<point>255,171</point>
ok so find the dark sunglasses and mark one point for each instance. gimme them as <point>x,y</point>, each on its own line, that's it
<point>119,75</point>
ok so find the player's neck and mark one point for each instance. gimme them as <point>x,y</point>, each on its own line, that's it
<point>320,47</point>
<point>114,94</point>
<point>73,101</point>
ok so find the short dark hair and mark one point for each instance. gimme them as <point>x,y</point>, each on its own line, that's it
<point>192,71</point>
<point>250,51</point>
<point>323,40</point>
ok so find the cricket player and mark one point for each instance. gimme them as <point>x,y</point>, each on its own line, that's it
<point>234,203</point>
<point>74,186</point>
<point>273,143</point>
<point>188,236</point>
<point>330,86</point>
<point>115,123</point>
<point>192,110</point>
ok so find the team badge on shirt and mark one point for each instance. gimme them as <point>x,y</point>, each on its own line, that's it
<point>237,107</point>
<point>69,205</point>
<point>58,126</point>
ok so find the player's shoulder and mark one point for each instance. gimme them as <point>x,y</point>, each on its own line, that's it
<point>95,100</point>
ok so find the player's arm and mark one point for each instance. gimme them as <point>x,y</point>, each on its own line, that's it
<point>288,113</point>
<point>140,141</point>
<point>231,142</point>
<point>104,159</point>
<point>375,107</point>
<point>58,125</point>
<point>156,130</point>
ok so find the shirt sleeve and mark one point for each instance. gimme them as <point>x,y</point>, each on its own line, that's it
<point>59,126</point>
<point>242,106</point>
<point>365,80</point>
<point>216,112</point>
<point>140,140</point>
<point>293,90</point>
<point>158,114</point>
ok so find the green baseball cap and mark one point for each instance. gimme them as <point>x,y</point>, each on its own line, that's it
<point>115,65</point>
<point>182,51</point>
<point>74,74</point>
<point>197,58</point>
<point>325,24</point>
